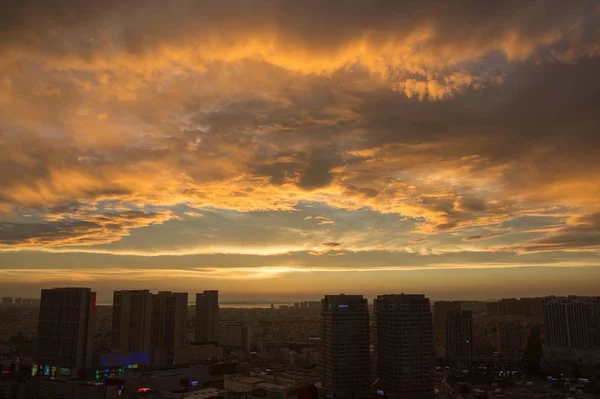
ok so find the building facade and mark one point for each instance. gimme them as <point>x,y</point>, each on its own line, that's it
<point>169,319</point>
<point>207,316</point>
<point>511,340</point>
<point>440,315</point>
<point>405,347</point>
<point>132,321</point>
<point>567,322</point>
<point>459,338</point>
<point>344,345</point>
<point>65,330</point>
<point>234,335</point>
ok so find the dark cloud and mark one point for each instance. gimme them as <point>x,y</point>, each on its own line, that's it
<point>456,115</point>
<point>580,234</point>
<point>77,229</point>
<point>482,236</point>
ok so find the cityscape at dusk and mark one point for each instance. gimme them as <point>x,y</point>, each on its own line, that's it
<point>299,199</point>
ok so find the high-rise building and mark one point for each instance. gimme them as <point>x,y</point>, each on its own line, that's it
<point>234,335</point>
<point>511,307</point>
<point>404,345</point>
<point>523,307</point>
<point>534,307</point>
<point>65,330</point>
<point>207,316</point>
<point>132,321</point>
<point>459,338</point>
<point>511,340</point>
<point>344,345</point>
<point>595,311</point>
<point>169,319</point>
<point>440,314</point>
<point>567,322</point>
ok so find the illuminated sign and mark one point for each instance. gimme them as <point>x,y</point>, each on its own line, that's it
<point>140,390</point>
<point>47,369</point>
<point>342,306</point>
<point>193,383</point>
<point>109,372</point>
<point>34,370</point>
<point>112,360</point>
<point>64,371</point>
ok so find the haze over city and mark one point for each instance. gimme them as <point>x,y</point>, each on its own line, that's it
<point>279,150</point>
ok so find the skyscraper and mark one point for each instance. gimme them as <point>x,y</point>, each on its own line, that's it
<point>132,321</point>
<point>459,338</point>
<point>567,322</point>
<point>344,345</point>
<point>234,335</point>
<point>65,330</point>
<point>405,352</point>
<point>511,341</point>
<point>440,314</point>
<point>169,319</point>
<point>595,311</point>
<point>207,316</point>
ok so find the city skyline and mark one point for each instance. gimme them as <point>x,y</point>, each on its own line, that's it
<point>275,150</point>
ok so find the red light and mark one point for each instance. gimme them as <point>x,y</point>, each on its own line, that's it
<point>6,372</point>
<point>140,390</point>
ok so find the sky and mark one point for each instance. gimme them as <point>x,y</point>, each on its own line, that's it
<point>283,149</point>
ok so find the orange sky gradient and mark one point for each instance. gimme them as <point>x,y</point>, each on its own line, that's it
<point>282,149</point>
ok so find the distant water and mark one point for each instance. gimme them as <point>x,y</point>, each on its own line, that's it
<point>248,305</point>
<point>233,305</point>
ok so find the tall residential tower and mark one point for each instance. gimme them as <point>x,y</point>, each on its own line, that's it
<point>207,316</point>
<point>132,321</point>
<point>459,338</point>
<point>65,330</point>
<point>405,349</point>
<point>344,345</point>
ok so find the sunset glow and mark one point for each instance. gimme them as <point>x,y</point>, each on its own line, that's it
<point>266,148</point>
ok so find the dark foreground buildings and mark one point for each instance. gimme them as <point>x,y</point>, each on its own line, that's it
<point>65,331</point>
<point>344,346</point>
<point>404,345</point>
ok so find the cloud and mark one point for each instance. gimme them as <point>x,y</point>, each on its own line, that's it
<point>581,233</point>
<point>400,39</point>
<point>194,214</point>
<point>453,116</point>
<point>325,222</point>
<point>68,229</point>
<point>482,236</point>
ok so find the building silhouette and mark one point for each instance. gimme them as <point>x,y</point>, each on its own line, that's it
<point>65,330</point>
<point>440,315</point>
<point>511,340</point>
<point>150,323</point>
<point>234,335</point>
<point>132,321</point>
<point>169,319</point>
<point>404,345</point>
<point>207,316</point>
<point>567,322</point>
<point>459,338</point>
<point>344,345</point>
